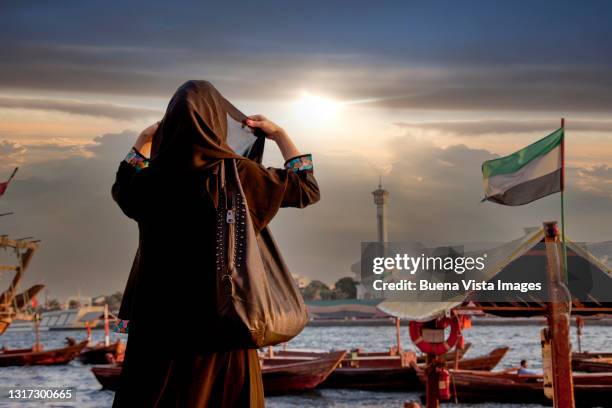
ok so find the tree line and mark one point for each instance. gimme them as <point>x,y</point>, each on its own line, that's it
<point>344,288</point>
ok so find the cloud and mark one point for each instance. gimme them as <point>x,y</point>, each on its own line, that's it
<point>499,88</point>
<point>12,155</point>
<point>33,154</point>
<point>76,107</point>
<point>88,244</point>
<point>377,57</point>
<point>65,202</point>
<point>8,148</point>
<point>382,82</point>
<point>434,197</point>
<point>500,126</point>
<point>371,55</point>
<point>596,180</point>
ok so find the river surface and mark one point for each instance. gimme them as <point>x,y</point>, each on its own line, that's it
<point>523,340</point>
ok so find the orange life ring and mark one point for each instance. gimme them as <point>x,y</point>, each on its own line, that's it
<point>416,334</point>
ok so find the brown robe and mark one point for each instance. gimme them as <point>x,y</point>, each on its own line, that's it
<point>172,356</point>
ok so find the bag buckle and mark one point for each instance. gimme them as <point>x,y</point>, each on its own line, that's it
<point>228,285</point>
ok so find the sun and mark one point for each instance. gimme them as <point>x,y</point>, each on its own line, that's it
<point>315,107</point>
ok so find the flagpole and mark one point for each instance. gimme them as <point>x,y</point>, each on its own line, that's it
<point>13,174</point>
<point>563,200</point>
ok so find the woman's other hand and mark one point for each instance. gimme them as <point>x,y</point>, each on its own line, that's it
<point>275,133</point>
<point>145,140</point>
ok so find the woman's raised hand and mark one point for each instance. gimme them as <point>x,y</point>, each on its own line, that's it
<point>271,129</point>
<point>276,133</point>
<point>145,140</point>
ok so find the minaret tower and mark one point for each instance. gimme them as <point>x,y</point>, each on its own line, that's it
<point>381,197</point>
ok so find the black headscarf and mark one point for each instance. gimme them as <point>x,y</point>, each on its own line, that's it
<point>194,135</point>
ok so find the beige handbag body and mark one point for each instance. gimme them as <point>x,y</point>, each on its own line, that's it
<point>258,302</point>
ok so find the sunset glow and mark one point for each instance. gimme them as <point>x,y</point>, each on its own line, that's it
<point>315,107</point>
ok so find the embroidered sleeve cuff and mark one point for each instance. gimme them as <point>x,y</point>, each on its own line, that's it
<point>136,159</point>
<point>300,163</point>
<point>120,326</point>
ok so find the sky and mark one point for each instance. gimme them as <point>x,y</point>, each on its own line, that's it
<point>420,93</point>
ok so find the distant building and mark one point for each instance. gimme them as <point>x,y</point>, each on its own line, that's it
<point>346,309</point>
<point>66,319</point>
<point>381,198</point>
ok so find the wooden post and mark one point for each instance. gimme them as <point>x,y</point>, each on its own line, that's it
<point>397,336</point>
<point>432,391</point>
<point>88,328</point>
<point>106,328</point>
<point>456,362</point>
<point>37,346</point>
<point>547,368</point>
<point>558,320</point>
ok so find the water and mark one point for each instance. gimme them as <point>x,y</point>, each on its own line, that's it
<point>523,340</point>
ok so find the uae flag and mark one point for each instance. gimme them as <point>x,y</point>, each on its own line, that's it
<point>527,175</point>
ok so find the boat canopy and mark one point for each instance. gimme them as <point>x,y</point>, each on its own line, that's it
<point>589,282</point>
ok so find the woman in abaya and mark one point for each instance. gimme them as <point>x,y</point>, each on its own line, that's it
<point>173,356</point>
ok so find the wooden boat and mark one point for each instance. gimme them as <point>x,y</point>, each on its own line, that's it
<point>385,372</point>
<point>592,362</point>
<point>299,376</point>
<point>5,350</point>
<point>98,354</point>
<point>450,356</point>
<point>592,365</point>
<point>299,354</point>
<point>24,357</point>
<point>481,386</point>
<point>108,377</point>
<point>486,362</point>
<point>277,379</point>
<point>591,354</point>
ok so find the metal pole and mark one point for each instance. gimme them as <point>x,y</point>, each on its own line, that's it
<point>565,275</point>
<point>432,390</point>
<point>558,318</point>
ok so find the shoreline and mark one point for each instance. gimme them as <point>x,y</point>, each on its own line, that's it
<point>382,322</point>
<point>481,321</point>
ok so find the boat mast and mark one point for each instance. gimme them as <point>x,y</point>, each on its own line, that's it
<point>24,261</point>
<point>7,310</point>
<point>37,346</point>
